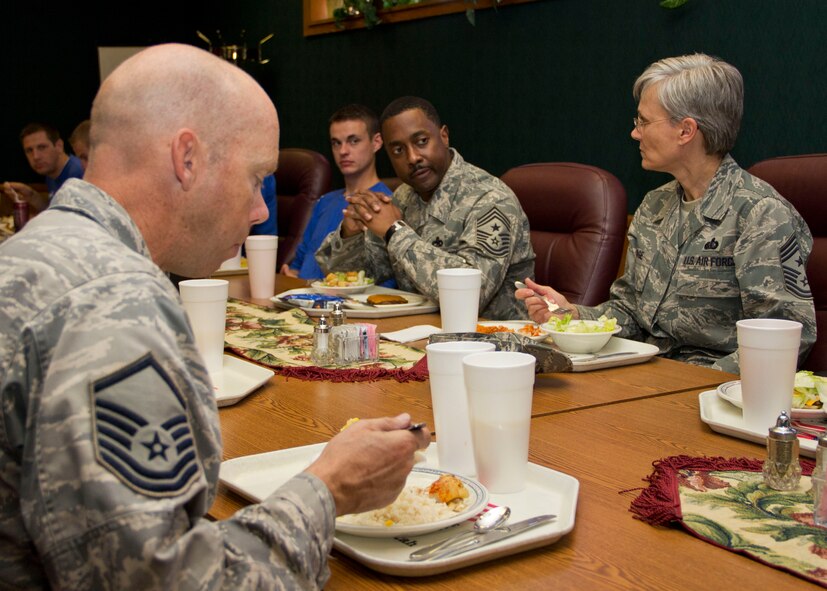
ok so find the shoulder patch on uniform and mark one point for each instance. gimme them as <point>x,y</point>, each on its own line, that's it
<point>792,263</point>
<point>141,430</point>
<point>494,233</point>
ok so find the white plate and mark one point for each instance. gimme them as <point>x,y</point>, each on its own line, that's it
<point>359,302</point>
<point>422,477</point>
<point>547,491</point>
<point>516,325</point>
<point>339,291</point>
<point>731,392</point>
<point>723,417</point>
<point>239,378</point>
<point>633,352</point>
<point>426,306</point>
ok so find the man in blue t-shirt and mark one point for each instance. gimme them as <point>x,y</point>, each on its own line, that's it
<point>354,141</point>
<point>44,150</point>
<point>270,225</point>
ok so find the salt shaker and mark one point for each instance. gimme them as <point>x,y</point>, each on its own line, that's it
<point>819,479</point>
<point>321,343</point>
<point>337,317</point>
<point>782,471</point>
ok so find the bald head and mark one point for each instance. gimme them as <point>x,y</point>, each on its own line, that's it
<point>182,139</point>
<point>168,87</point>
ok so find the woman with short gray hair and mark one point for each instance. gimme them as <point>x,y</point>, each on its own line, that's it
<point>711,247</point>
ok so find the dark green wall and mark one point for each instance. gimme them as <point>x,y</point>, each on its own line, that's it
<point>548,81</point>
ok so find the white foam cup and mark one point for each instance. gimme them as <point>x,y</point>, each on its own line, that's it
<point>205,301</point>
<point>768,357</point>
<point>500,385</point>
<point>459,298</point>
<point>449,401</point>
<point>261,265</point>
<point>232,263</point>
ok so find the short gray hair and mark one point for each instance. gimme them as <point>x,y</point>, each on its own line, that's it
<point>705,88</point>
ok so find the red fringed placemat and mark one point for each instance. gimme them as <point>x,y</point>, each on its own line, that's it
<point>724,501</point>
<point>283,341</point>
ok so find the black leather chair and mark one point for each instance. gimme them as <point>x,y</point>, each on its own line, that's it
<point>301,178</point>
<point>802,180</point>
<point>577,215</point>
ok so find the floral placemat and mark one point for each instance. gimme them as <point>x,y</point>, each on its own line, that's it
<point>283,341</point>
<point>725,502</point>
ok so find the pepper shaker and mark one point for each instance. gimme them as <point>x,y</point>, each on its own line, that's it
<point>819,479</point>
<point>321,343</point>
<point>338,316</point>
<point>782,470</point>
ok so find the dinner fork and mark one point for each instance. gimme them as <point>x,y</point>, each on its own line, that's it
<point>552,307</point>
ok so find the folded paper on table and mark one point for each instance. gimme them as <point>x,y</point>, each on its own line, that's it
<point>284,342</point>
<point>414,333</point>
<point>725,502</point>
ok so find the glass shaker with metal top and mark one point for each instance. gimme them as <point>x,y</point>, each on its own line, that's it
<point>782,470</point>
<point>322,351</point>
<point>338,315</point>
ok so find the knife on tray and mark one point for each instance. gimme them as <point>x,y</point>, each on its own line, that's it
<point>480,540</point>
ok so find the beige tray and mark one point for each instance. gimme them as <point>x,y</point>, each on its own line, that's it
<point>547,491</point>
<point>425,307</point>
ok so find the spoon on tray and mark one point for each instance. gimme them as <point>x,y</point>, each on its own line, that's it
<point>491,519</point>
<point>552,307</point>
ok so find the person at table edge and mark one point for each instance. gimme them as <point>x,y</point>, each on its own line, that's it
<point>354,141</point>
<point>711,247</point>
<point>47,156</point>
<point>446,214</point>
<point>110,444</point>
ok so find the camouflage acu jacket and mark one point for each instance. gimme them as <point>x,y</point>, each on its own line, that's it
<point>472,220</point>
<point>741,253</point>
<point>109,437</point>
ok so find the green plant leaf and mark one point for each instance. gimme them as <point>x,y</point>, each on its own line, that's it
<point>672,3</point>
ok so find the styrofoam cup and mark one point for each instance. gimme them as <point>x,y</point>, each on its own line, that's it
<point>768,357</point>
<point>500,385</point>
<point>459,298</point>
<point>261,265</point>
<point>449,401</point>
<point>205,301</point>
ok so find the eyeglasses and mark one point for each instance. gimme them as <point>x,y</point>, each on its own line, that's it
<point>640,124</point>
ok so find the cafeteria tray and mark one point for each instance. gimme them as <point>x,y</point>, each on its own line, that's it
<point>239,379</point>
<point>426,307</point>
<point>547,491</point>
<point>638,353</point>
<point>723,417</point>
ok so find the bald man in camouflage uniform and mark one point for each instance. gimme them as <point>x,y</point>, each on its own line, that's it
<point>110,444</point>
<point>712,247</point>
<point>448,214</point>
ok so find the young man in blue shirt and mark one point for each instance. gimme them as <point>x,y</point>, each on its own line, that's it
<point>44,150</point>
<point>354,141</point>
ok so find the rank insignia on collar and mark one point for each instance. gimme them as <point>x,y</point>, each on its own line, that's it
<point>795,278</point>
<point>141,430</point>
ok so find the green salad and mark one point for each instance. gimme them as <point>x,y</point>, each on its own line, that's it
<point>565,324</point>
<point>810,390</point>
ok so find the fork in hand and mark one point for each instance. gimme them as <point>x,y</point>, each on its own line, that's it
<point>552,307</point>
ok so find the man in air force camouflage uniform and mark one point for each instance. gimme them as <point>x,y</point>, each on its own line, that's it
<point>448,214</point>
<point>711,247</point>
<point>109,436</point>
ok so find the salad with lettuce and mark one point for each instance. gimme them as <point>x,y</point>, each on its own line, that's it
<point>565,324</point>
<point>810,391</point>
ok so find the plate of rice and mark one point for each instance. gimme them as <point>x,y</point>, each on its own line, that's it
<point>416,511</point>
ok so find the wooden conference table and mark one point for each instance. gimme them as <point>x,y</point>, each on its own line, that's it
<point>604,427</point>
